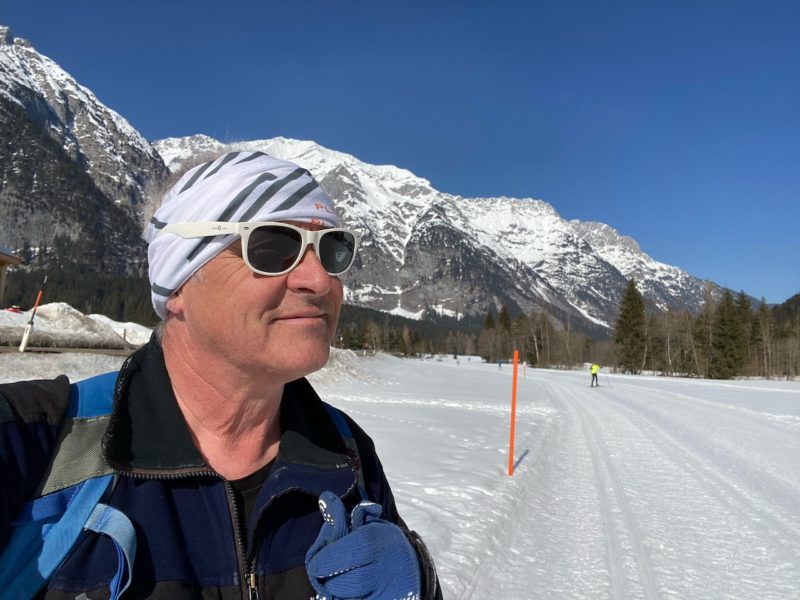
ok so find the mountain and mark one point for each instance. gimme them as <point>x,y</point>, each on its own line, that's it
<point>424,250</point>
<point>71,167</point>
<point>74,175</point>
<point>659,283</point>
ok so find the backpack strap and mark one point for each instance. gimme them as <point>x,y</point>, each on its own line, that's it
<point>350,442</point>
<point>113,523</point>
<point>68,502</point>
<point>44,534</point>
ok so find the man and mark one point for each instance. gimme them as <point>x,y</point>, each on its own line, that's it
<point>595,369</point>
<point>234,478</point>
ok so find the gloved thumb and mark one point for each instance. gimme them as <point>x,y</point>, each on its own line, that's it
<point>365,512</point>
<point>335,522</point>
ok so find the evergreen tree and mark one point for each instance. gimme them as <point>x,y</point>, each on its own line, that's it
<point>505,348</point>
<point>504,319</point>
<point>702,337</point>
<point>520,335</point>
<point>725,343</point>
<point>630,332</point>
<point>489,322</point>
<point>744,316</point>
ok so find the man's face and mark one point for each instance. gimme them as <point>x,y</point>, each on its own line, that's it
<point>279,326</point>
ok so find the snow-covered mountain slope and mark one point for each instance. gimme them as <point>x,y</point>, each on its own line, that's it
<point>428,250</point>
<point>658,281</point>
<point>114,154</point>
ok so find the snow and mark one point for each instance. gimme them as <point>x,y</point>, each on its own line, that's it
<point>313,157</point>
<point>643,488</point>
<point>58,324</point>
<point>399,311</point>
<point>132,332</point>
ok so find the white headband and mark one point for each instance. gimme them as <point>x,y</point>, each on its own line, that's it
<point>236,187</point>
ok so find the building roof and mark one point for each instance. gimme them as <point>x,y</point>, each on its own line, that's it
<point>7,256</point>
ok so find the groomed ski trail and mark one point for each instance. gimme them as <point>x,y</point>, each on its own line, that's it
<point>643,489</point>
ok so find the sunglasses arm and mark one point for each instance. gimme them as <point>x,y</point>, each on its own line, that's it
<point>201,229</point>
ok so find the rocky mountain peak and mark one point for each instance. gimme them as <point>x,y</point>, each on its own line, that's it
<point>6,37</point>
<point>115,155</point>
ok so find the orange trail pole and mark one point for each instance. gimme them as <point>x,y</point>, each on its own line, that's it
<point>513,415</point>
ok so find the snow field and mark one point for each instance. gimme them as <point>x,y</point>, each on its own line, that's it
<point>643,488</point>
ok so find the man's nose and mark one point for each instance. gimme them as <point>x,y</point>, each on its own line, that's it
<point>309,275</point>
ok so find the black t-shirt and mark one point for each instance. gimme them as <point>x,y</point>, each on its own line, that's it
<point>245,491</point>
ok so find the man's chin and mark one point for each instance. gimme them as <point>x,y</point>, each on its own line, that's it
<point>305,359</point>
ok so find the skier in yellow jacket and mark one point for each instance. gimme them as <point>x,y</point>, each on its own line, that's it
<point>594,370</point>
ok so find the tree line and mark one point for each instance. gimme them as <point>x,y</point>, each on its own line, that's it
<point>731,337</point>
<point>119,297</point>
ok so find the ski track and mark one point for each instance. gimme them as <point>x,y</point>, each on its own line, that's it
<point>747,502</point>
<point>620,492</point>
<point>619,519</point>
<point>487,524</point>
<point>745,478</point>
<point>664,430</point>
<point>751,464</point>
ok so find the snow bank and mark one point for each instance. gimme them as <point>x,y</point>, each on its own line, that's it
<point>58,325</point>
<point>343,366</point>
<point>133,333</point>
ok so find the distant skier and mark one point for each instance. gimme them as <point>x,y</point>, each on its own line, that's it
<point>594,370</point>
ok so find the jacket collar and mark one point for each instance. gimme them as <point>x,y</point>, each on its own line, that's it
<point>148,436</point>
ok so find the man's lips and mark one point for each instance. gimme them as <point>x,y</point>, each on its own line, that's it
<point>302,316</point>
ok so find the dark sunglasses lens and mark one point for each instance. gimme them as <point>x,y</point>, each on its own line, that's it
<point>336,251</point>
<point>273,248</point>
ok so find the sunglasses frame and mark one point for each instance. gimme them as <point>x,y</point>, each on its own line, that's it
<point>197,229</point>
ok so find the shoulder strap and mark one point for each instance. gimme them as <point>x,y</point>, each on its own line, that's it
<point>49,525</point>
<point>350,442</point>
<point>43,536</point>
<point>78,454</point>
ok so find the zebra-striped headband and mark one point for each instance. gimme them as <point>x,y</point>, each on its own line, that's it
<point>238,186</point>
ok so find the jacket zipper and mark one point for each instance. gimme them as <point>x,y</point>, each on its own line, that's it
<point>247,569</point>
<point>253,558</point>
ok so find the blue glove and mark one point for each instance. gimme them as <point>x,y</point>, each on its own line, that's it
<point>364,557</point>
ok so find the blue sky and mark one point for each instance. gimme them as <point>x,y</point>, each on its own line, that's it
<point>677,123</point>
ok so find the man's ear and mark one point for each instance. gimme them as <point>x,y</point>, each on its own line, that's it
<point>175,302</point>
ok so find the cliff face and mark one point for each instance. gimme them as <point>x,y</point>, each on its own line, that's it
<point>70,167</point>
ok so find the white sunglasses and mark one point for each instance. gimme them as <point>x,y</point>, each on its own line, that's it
<point>272,248</point>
